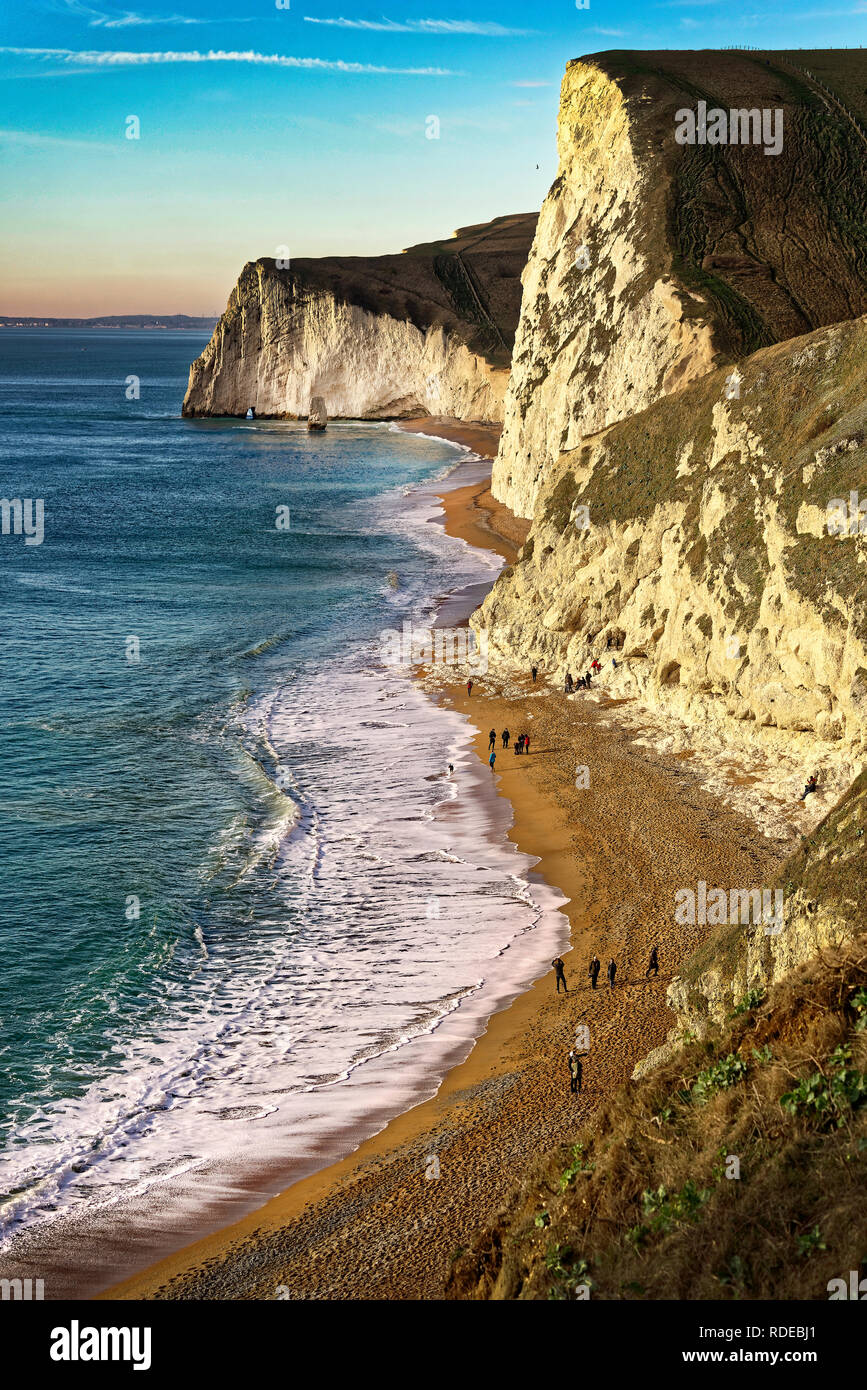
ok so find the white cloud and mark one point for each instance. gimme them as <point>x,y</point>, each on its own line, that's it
<point>103,58</point>
<point>424,26</point>
<point>98,19</point>
<point>531,84</point>
<point>35,139</point>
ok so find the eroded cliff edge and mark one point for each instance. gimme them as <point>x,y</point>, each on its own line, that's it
<point>654,262</point>
<point>429,331</point>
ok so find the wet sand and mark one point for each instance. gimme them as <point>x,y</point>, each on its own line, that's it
<point>386,1222</point>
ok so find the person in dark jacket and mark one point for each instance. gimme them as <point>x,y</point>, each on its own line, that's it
<point>612,971</point>
<point>492,738</point>
<point>560,973</point>
<point>593,972</point>
<point>575,1071</point>
<point>535,673</point>
<point>505,738</point>
<point>653,964</point>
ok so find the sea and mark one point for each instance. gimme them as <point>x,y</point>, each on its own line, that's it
<point>246,913</point>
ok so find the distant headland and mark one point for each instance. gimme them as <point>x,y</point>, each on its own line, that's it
<point>110,321</point>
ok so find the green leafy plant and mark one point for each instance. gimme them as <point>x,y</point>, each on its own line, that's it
<point>825,1098</point>
<point>859,1004</point>
<point>667,1210</point>
<point>810,1242</point>
<point>750,1001</point>
<point>723,1074</point>
<point>578,1165</point>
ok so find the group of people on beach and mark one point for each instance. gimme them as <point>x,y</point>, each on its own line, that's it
<point>521,744</point>
<point>576,1068</point>
<point>595,967</point>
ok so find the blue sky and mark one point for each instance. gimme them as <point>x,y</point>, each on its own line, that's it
<point>263,127</point>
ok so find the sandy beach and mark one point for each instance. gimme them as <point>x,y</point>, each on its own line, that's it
<point>386,1222</point>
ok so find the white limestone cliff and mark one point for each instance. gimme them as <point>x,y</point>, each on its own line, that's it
<point>603,328</point>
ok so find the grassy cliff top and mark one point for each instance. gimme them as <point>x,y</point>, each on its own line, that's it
<point>772,245</point>
<point>469,283</point>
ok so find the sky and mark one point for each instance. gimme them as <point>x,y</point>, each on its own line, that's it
<point>300,124</point>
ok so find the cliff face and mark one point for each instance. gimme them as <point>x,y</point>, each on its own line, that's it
<point>690,543</point>
<point>654,261</point>
<point>426,332</point>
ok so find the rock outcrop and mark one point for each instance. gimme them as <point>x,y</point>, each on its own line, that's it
<point>429,331</point>
<point>654,261</point>
<point>693,545</point>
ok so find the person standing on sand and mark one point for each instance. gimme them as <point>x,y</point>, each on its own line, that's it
<point>470,686</point>
<point>492,759</point>
<point>492,738</point>
<point>575,1070</point>
<point>612,971</point>
<point>526,743</point>
<point>505,738</point>
<point>653,964</point>
<point>535,673</point>
<point>593,972</point>
<point>560,972</point>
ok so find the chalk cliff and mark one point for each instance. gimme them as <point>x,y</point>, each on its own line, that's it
<point>655,261</point>
<point>690,543</point>
<point>429,331</point>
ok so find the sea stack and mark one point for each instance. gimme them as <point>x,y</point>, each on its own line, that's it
<point>317,416</point>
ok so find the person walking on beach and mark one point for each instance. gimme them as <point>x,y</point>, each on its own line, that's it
<point>653,964</point>
<point>492,759</point>
<point>470,686</point>
<point>492,738</point>
<point>593,972</point>
<point>560,973</point>
<point>526,743</point>
<point>505,738</point>
<point>575,1070</point>
<point>612,971</point>
<point>535,673</point>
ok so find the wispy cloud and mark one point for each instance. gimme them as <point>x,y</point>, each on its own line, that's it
<point>609,33</point>
<point>531,84</point>
<point>415,129</point>
<point>480,28</point>
<point>767,18</point>
<point>104,58</point>
<point>100,19</point>
<point>35,139</point>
